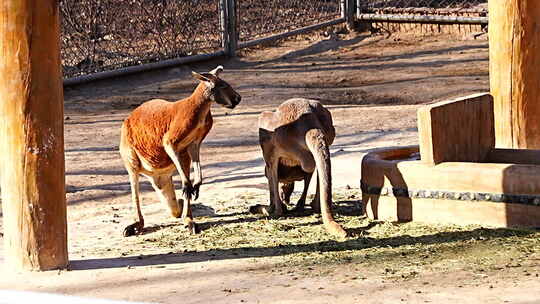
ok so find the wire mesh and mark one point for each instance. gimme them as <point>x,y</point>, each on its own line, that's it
<point>99,35</point>
<point>259,18</point>
<point>426,6</point>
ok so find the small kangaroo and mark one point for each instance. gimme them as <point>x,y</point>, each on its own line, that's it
<point>295,140</point>
<point>161,137</point>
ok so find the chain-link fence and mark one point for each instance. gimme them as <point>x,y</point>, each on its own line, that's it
<point>104,35</point>
<point>258,18</point>
<point>99,35</point>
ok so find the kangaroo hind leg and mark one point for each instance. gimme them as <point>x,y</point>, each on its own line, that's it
<point>164,187</point>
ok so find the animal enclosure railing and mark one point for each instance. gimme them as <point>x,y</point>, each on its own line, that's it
<point>424,11</point>
<point>106,38</point>
<point>257,19</point>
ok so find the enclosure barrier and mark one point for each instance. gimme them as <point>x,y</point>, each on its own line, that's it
<point>423,11</point>
<point>141,68</point>
<point>423,19</point>
<point>103,38</point>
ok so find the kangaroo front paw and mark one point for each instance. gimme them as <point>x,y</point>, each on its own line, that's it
<point>187,191</point>
<point>133,229</point>
<point>196,191</point>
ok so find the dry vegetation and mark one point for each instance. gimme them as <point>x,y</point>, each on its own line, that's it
<point>398,251</point>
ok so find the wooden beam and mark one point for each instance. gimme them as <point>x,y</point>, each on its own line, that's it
<point>514,64</point>
<point>31,135</point>
<point>457,130</point>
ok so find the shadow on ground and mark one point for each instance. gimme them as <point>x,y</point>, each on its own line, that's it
<point>359,240</point>
<point>252,252</point>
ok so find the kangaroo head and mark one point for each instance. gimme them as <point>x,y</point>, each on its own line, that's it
<point>218,89</point>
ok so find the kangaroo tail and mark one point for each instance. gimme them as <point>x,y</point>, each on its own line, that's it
<point>319,149</point>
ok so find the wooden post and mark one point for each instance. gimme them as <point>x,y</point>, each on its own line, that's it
<point>514,64</point>
<point>459,130</point>
<point>31,135</point>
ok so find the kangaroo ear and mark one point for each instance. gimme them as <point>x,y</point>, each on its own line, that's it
<point>200,77</point>
<point>217,70</point>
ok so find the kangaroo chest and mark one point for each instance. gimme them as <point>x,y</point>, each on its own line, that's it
<point>197,133</point>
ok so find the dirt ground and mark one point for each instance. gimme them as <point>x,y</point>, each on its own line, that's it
<point>373,86</point>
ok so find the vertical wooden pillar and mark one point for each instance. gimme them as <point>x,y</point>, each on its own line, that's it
<point>31,135</point>
<point>514,44</point>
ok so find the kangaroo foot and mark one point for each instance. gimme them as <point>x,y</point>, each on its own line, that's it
<point>191,227</point>
<point>316,206</point>
<point>267,211</point>
<point>133,229</point>
<point>335,229</point>
<point>260,209</point>
<point>297,210</point>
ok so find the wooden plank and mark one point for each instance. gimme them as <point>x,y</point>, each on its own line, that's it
<point>31,135</point>
<point>457,130</point>
<point>452,192</point>
<point>514,78</point>
<point>390,168</point>
<point>514,156</point>
<point>440,211</point>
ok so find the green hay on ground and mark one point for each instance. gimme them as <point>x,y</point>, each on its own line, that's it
<point>397,250</point>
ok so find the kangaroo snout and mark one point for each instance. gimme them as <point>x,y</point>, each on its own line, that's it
<point>235,101</point>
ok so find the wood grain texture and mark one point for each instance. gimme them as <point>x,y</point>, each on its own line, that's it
<point>514,156</point>
<point>31,135</point>
<point>514,63</point>
<point>381,170</point>
<point>457,130</point>
<point>439,211</point>
<point>452,176</point>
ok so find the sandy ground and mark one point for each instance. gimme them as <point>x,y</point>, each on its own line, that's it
<point>373,87</point>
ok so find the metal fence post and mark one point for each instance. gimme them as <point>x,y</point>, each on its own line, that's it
<point>233,28</point>
<point>361,25</point>
<point>347,12</point>
<point>223,24</point>
<point>351,11</point>
<point>228,26</point>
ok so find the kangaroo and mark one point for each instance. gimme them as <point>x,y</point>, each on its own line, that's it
<point>295,140</point>
<point>161,137</point>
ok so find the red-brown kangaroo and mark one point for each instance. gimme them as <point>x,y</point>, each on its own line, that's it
<point>161,137</point>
